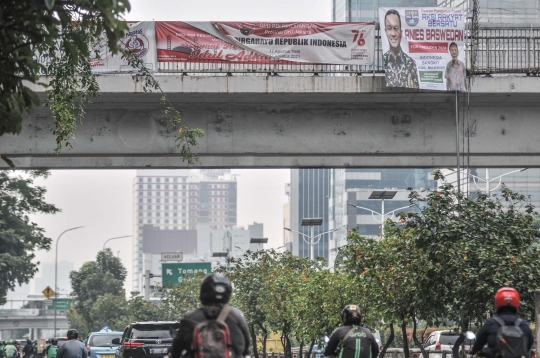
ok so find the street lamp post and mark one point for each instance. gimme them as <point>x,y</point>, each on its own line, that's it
<point>56,274</point>
<point>311,222</point>
<point>114,238</point>
<point>258,240</point>
<point>382,195</point>
<point>487,180</point>
<point>221,254</point>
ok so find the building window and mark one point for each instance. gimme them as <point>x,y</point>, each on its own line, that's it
<point>157,214</point>
<point>157,221</point>
<point>140,180</point>
<point>149,200</point>
<point>140,186</point>
<point>166,221</point>
<point>175,221</point>
<point>141,200</point>
<point>183,187</point>
<point>175,193</point>
<point>175,187</point>
<point>166,201</point>
<point>149,186</point>
<point>175,207</point>
<point>149,180</point>
<point>140,221</point>
<point>175,180</point>
<point>166,193</point>
<point>157,201</point>
<point>149,221</point>
<point>157,193</point>
<point>149,193</point>
<point>175,214</point>
<point>175,201</point>
<point>166,180</point>
<point>157,207</point>
<point>157,180</point>
<point>149,207</point>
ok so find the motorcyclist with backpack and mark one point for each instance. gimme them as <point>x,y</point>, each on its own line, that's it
<point>506,335</point>
<point>202,333</point>
<point>2,352</point>
<point>51,349</point>
<point>352,340</point>
<point>28,349</point>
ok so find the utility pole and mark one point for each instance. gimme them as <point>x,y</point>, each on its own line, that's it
<point>147,276</point>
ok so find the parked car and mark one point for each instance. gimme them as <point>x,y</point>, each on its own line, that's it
<point>146,339</point>
<point>440,341</point>
<point>99,344</point>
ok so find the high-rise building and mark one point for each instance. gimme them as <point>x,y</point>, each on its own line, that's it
<point>45,277</point>
<point>355,186</point>
<point>180,200</point>
<point>310,190</point>
<point>326,193</point>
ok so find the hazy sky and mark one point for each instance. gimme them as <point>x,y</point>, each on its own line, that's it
<point>101,200</point>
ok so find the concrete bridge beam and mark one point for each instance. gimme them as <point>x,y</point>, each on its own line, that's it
<point>292,122</point>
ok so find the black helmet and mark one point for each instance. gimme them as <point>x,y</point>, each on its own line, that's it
<point>215,288</point>
<point>72,334</point>
<point>28,341</point>
<point>54,341</point>
<point>351,314</point>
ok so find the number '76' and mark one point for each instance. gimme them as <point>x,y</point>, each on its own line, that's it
<point>360,36</point>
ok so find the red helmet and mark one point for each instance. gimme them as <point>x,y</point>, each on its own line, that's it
<point>507,297</point>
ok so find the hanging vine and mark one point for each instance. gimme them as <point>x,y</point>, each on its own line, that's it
<point>73,85</point>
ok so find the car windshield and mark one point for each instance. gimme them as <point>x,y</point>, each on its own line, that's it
<point>448,339</point>
<point>158,331</point>
<point>102,340</point>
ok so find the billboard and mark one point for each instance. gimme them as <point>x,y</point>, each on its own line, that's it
<point>265,42</point>
<point>424,47</point>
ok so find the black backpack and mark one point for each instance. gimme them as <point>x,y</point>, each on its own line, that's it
<point>511,341</point>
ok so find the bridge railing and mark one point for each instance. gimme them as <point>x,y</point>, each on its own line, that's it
<point>498,49</point>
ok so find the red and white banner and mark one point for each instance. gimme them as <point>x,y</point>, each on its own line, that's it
<point>424,47</point>
<point>342,43</point>
<point>140,39</point>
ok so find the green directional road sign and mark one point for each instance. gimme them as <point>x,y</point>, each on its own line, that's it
<point>61,305</point>
<point>172,273</point>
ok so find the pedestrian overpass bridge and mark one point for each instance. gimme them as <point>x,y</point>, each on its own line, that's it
<point>266,116</point>
<point>292,122</point>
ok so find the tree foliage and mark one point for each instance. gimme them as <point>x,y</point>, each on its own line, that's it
<point>32,28</point>
<point>95,279</point>
<point>19,236</point>
<point>447,260</point>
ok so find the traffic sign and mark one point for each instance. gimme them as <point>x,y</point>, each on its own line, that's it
<point>172,256</point>
<point>48,292</point>
<point>62,304</point>
<point>173,273</point>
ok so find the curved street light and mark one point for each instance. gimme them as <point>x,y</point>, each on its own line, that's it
<point>382,215</point>
<point>114,238</point>
<point>311,241</point>
<point>56,273</point>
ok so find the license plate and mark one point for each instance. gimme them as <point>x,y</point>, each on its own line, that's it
<point>158,350</point>
<point>107,356</point>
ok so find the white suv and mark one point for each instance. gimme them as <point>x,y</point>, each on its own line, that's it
<point>441,341</point>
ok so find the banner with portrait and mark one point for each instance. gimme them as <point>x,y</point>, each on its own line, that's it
<point>265,42</point>
<point>424,47</point>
